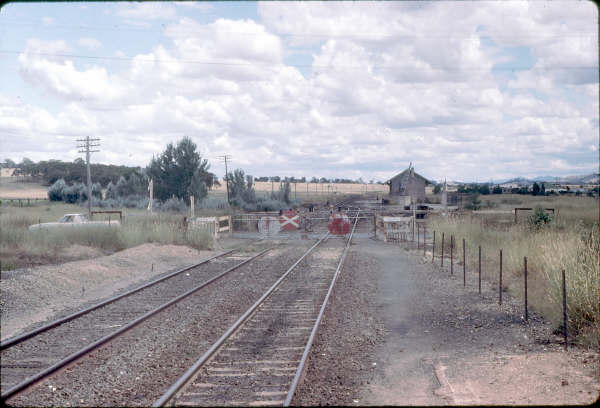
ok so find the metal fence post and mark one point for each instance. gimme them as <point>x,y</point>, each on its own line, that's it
<point>433,248</point>
<point>525,277</point>
<point>500,281</point>
<point>424,239</point>
<point>480,269</point>
<point>464,265</point>
<point>451,254</point>
<point>443,236</point>
<point>564,290</point>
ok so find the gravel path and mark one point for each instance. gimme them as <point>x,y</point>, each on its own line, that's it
<point>138,367</point>
<point>435,342</point>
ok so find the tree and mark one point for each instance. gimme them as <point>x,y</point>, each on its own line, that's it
<point>8,163</point>
<point>536,189</point>
<point>180,171</point>
<point>497,190</point>
<point>484,189</point>
<point>55,192</point>
<point>543,189</point>
<point>538,218</point>
<point>474,202</point>
<point>242,189</point>
<point>437,189</point>
<point>111,191</point>
<point>285,192</point>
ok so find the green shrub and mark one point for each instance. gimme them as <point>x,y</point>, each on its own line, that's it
<point>474,202</point>
<point>539,218</point>
<point>55,192</point>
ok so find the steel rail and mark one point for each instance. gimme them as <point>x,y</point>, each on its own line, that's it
<point>189,374</point>
<point>313,333</point>
<point>362,218</point>
<point>18,339</point>
<point>90,347</point>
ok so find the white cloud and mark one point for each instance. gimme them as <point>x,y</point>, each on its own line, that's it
<point>147,11</point>
<point>386,83</point>
<point>47,21</point>
<point>89,43</point>
<point>59,75</point>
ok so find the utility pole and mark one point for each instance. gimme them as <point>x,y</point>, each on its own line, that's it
<point>224,158</point>
<point>86,145</point>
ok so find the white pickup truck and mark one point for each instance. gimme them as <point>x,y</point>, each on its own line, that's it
<point>74,220</point>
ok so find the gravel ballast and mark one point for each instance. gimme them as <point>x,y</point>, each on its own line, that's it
<point>33,295</point>
<point>341,359</point>
<point>139,366</point>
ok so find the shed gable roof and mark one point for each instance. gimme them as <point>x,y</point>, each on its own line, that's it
<point>405,174</point>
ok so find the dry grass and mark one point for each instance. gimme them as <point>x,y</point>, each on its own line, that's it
<point>316,189</point>
<point>11,187</point>
<point>569,243</point>
<point>20,247</point>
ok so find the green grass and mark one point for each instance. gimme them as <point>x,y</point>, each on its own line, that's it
<point>570,242</point>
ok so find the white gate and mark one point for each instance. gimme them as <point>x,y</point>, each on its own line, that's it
<point>269,225</point>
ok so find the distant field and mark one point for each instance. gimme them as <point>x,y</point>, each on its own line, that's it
<point>317,188</point>
<point>302,191</point>
<point>9,188</point>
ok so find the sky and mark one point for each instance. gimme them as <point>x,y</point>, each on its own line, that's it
<point>473,91</point>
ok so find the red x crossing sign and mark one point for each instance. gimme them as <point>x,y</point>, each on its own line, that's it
<point>289,220</point>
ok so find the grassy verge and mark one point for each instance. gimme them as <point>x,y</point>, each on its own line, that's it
<point>20,247</point>
<point>570,242</point>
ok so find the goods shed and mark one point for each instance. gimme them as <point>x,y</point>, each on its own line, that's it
<point>408,184</point>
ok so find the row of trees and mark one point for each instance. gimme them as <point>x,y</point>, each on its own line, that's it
<point>315,180</point>
<point>484,189</point>
<point>243,195</point>
<point>178,173</point>
<point>50,171</point>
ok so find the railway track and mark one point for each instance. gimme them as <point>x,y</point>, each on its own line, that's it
<point>35,355</point>
<point>260,359</point>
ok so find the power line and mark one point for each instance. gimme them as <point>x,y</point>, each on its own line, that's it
<point>355,35</point>
<point>282,64</point>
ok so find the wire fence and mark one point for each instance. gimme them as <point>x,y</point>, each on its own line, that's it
<point>446,251</point>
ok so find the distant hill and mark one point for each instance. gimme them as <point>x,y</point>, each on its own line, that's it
<point>576,179</point>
